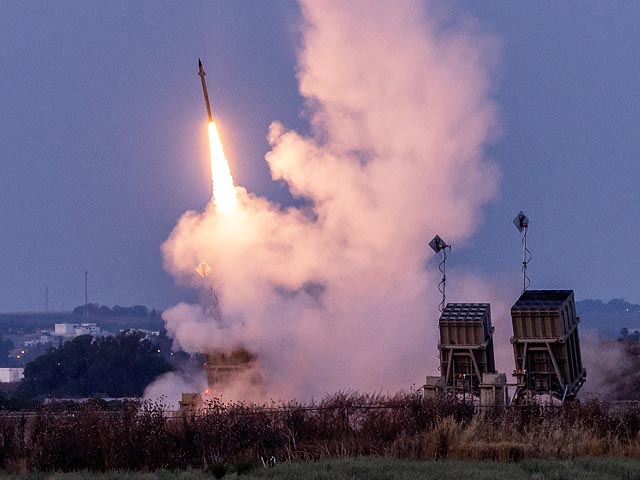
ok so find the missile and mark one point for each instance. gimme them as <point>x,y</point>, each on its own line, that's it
<point>201,74</point>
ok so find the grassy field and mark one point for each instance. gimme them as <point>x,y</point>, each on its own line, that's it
<point>386,469</point>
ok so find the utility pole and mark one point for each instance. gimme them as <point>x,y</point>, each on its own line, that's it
<point>86,294</point>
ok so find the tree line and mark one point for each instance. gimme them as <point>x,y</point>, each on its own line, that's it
<point>95,309</point>
<point>113,366</point>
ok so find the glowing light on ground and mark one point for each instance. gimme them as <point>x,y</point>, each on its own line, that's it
<point>224,191</point>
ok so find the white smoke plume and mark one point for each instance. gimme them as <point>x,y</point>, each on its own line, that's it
<point>168,389</point>
<point>610,369</point>
<point>337,294</point>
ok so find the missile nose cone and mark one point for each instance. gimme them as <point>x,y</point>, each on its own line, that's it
<point>202,74</point>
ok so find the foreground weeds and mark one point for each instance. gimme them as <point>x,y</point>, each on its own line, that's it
<point>390,469</point>
<point>235,438</point>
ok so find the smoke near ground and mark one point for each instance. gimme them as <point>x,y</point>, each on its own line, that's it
<point>169,387</point>
<point>337,294</point>
<point>613,368</point>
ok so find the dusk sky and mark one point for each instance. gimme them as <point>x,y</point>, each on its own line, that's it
<point>103,140</point>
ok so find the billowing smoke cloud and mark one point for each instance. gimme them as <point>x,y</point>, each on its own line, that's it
<point>336,294</point>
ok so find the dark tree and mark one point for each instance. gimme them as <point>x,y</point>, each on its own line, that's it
<point>624,333</point>
<point>118,366</point>
<point>6,345</point>
<point>140,311</point>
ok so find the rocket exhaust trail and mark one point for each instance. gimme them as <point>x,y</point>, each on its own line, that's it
<point>202,74</point>
<point>224,191</point>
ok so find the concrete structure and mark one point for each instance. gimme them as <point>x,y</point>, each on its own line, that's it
<point>493,390</point>
<point>546,345</point>
<point>434,387</point>
<point>191,403</point>
<point>65,329</point>
<point>10,375</point>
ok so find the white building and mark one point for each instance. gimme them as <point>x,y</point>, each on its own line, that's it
<point>66,329</point>
<point>148,334</point>
<point>76,329</point>
<point>9,375</point>
<point>87,329</point>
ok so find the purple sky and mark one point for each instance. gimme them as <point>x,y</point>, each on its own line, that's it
<point>103,139</point>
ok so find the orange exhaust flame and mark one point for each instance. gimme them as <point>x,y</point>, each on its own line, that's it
<point>224,191</point>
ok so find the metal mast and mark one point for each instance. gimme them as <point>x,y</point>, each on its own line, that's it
<point>522,224</point>
<point>86,294</point>
<point>438,245</point>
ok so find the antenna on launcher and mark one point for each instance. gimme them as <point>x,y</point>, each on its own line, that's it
<point>522,224</point>
<point>438,245</point>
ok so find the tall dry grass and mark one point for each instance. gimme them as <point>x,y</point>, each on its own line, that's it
<point>146,437</point>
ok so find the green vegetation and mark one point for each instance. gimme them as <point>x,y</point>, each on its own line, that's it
<point>117,366</point>
<point>389,469</point>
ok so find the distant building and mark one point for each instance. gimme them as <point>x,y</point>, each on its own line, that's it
<point>87,329</point>
<point>11,374</point>
<point>148,334</point>
<point>40,340</point>
<point>76,329</point>
<point>65,329</point>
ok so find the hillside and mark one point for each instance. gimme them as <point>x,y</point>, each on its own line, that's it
<point>609,318</point>
<point>606,318</point>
